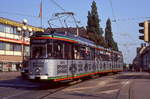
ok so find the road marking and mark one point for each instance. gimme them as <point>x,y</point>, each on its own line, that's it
<point>81,88</point>
<point>101,83</point>
<point>125,82</point>
<point>10,96</point>
<point>109,91</point>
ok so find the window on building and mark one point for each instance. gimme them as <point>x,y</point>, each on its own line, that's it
<point>9,47</point>
<point>8,29</point>
<point>18,33</point>
<point>26,34</point>
<point>17,47</point>
<point>1,28</point>
<point>26,51</point>
<point>15,30</point>
<point>2,45</point>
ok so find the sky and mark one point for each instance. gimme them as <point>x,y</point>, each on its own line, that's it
<point>128,13</point>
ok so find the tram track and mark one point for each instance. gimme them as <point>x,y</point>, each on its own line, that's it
<point>122,86</point>
<point>67,85</point>
<point>71,84</point>
<point>131,91</point>
<point>127,84</point>
<point>47,90</point>
<point>51,92</point>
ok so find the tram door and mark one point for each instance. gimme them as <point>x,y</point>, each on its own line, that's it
<point>73,61</point>
<point>69,58</point>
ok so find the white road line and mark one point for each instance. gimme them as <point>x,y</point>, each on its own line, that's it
<point>11,96</point>
<point>109,91</point>
<point>101,83</point>
<point>125,82</point>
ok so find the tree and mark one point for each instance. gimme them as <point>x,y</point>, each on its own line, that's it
<point>109,36</point>
<point>93,27</point>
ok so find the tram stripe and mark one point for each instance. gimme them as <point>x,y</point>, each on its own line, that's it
<point>58,38</point>
<point>80,75</point>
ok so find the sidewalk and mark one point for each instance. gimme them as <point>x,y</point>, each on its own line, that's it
<point>9,75</point>
<point>136,88</point>
<point>141,89</point>
<point>13,79</point>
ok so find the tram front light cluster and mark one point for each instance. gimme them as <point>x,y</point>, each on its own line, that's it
<point>37,70</point>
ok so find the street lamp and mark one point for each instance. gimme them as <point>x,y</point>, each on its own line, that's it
<point>23,30</point>
<point>25,21</point>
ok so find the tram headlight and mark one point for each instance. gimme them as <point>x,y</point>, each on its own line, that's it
<point>37,70</point>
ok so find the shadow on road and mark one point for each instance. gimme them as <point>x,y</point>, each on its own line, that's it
<point>30,85</point>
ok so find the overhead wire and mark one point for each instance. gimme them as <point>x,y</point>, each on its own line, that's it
<point>55,3</point>
<point>114,16</point>
<point>114,20</point>
<point>133,18</point>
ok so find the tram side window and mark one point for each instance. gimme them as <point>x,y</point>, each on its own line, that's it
<point>76,52</point>
<point>71,52</point>
<point>79,52</point>
<point>57,50</point>
<point>67,52</point>
<point>97,56</point>
<point>50,50</point>
<point>87,53</point>
<point>92,54</point>
<point>82,53</point>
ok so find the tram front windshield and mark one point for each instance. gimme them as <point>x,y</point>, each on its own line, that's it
<point>49,50</point>
<point>38,51</point>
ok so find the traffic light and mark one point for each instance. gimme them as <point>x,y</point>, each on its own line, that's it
<point>145,31</point>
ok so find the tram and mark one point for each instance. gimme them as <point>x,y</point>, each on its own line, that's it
<point>60,56</point>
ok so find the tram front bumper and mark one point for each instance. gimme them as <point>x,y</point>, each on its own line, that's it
<point>39,77</point>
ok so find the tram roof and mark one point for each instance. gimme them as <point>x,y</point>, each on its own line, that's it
<point>70,36</point>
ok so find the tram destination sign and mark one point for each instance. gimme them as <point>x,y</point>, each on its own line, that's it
<point>38,41</point>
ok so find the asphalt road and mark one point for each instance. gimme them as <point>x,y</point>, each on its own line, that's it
<point>126,85</point>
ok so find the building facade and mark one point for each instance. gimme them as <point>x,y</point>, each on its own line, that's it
<point>14,44</point>
<point>142,60</point>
